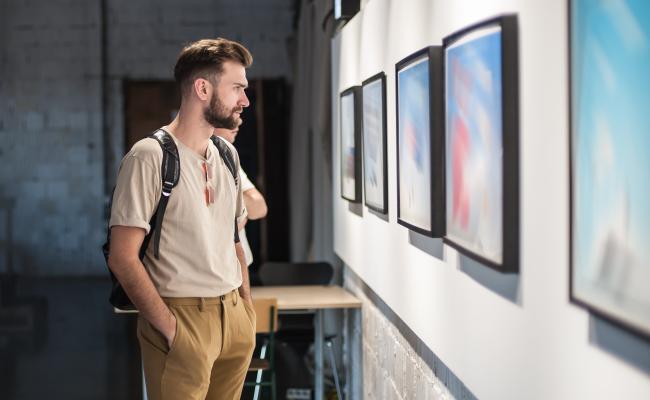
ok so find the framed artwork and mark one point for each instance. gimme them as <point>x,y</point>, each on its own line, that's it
<point>375,167</point>
<point>610,160</point>
<point>351,144</point>
<point>420,142</point>
<point>481,142</point>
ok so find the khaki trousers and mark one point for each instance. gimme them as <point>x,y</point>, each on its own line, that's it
<point>211,352</point>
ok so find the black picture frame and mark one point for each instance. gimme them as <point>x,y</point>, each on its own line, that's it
<point>433,54</point>
<point>381,208</point>
<point>590,304</point>
<point>355,92</point>
<point>510,220</point>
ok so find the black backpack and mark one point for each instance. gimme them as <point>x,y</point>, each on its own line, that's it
<point>171,170</point>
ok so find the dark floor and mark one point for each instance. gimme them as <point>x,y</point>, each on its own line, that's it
<point>59,339</point>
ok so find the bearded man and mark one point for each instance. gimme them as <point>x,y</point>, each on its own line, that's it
<point>196,324</point>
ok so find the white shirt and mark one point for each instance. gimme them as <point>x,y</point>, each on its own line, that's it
<point>246,184</point>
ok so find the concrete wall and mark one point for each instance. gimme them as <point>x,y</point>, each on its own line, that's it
<point>51,145</point>
<point>50,136</point>
<point>502,336</point>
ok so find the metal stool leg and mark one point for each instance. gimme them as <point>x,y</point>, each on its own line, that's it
<point>258,378</point>
<point>335,372</point>
<point>144,384</point>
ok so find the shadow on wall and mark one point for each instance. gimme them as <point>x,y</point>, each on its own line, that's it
<point>630,348</point>
<point>431,246</point>
<point>379,215</point>
<point>505,285</point>
<point>356,208</point>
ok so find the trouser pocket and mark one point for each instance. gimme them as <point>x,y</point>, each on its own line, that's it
<point>151,336</point>
<point>250,312</point>
<point>186,373</point>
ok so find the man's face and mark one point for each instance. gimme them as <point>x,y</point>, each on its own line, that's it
<point>228,97</point>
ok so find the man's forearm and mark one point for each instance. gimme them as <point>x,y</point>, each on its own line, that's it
<point>242,223</point>
<point>138,286</point>
<point>255,204</point>
<point>245,288</point>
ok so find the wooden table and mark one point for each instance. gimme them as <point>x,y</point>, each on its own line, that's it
<point>307,297</point>
<point>310,298</point>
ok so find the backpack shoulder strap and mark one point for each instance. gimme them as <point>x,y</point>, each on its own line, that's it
<point>226,156</point>
<point>171,165</point>
<point>170,173</point>
<point>229,160</point>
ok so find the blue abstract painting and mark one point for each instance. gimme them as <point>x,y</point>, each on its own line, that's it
<point>474,143</point>
<point>348,147</point>
<point>414,144</point>
<point>610,86</point>
<point>373,144</point>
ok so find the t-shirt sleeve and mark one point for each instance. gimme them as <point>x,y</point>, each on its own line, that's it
<point>246,183</point>
<point>137,192</point>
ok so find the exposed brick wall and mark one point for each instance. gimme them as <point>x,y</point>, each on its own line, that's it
<point>391,368</point>
<point>50,136</point>
<point>51,146</point>
<point>145,36</point>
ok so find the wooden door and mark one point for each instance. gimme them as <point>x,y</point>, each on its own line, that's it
<point>148,105</point>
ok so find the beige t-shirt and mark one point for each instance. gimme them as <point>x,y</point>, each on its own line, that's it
<point>197,251</point>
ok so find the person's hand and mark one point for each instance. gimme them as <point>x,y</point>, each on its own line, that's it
<point>242,223</point>
<point>170,331</point>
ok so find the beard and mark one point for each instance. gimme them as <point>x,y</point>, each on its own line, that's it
<point>218,116</point>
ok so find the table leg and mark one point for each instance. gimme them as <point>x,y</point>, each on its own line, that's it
<point>356,354</point>
<point>318,355</point>
<point>347,351</point>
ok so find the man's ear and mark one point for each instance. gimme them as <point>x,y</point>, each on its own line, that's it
<point>201,88</point>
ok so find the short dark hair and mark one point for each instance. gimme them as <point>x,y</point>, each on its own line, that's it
<point>204,58</point>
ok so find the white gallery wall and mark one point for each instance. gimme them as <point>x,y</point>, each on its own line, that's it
<point>504,336</point>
